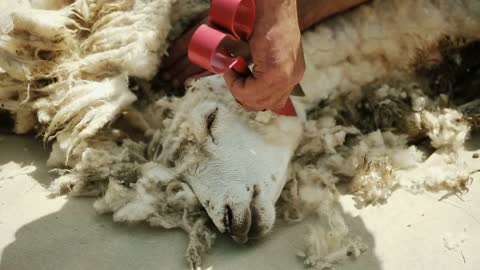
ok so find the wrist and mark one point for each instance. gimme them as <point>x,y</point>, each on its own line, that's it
<point>271,13</point>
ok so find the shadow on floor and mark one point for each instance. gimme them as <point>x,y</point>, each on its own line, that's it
<point>77,238</point>
<point>27,151</point>
<point>474,143</point>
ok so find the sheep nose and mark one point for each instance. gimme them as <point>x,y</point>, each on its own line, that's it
<point>237,223</point>
<point>244,223</point>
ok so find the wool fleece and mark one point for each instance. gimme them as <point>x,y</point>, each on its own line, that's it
<point>391,97</point>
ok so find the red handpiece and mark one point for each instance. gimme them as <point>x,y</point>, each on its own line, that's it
<point>237,17</point>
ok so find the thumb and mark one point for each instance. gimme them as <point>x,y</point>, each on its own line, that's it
<point>235,82</point>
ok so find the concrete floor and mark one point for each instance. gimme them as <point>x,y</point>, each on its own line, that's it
<point>409,232</point>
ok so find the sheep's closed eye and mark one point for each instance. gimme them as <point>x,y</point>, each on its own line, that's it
<point>210,121</point>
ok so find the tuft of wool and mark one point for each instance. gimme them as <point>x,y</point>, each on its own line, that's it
<point>374,182</point>
<point>441,171</point>
<point>82,109</point>
<point>124,36</point>
<point>328,248</point>
<point>184,12</point>
<point>445,128</point>
<point>329,240</point>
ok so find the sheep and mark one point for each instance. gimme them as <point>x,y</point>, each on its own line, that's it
<point>180,162</point>
<point>374,48</point>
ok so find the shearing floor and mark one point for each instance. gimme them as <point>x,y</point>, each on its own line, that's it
<point>411,231</point>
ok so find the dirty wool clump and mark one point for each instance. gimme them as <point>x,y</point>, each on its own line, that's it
<point>379,114</point>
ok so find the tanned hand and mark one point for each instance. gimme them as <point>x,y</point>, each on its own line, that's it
<point>277,55</point>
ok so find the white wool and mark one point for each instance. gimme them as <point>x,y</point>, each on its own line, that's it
<point>49,4</point>
<point>324,135</point>
<point>57,156</point>
<point>445,128</point>
<point>325,249</point>
<point>329,240</point>
<point>131,41</point>
<point>184,12</point>
<point>27,32</point>
<point>23,69</point>
<point>116,197</point>
<point>374,182</point>
<point>79,64</point>
<point>73,78</point>
<point>46,24</point>
<point>83,109</point>
<point>65,183</point>
<point>382,39</point>
<point>97,161</point>
<point>441,171</point>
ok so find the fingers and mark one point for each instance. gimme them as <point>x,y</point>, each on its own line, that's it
<point>236,84</point>
<point>253,94</point>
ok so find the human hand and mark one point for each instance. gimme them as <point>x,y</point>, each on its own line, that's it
<point>277,54</point>
<point>177,68</point>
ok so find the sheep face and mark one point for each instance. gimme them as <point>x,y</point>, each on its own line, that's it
<point>236,166</point>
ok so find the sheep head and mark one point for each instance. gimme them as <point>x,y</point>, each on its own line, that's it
<point>236,164</point>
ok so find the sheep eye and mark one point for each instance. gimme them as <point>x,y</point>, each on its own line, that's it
<point>211,122</point>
